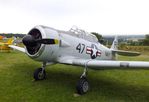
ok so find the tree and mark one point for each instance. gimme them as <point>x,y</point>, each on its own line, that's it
<point>146,40</point>
<point>99,36</point>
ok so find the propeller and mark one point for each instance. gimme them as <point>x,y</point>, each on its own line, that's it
<point>30,41</point>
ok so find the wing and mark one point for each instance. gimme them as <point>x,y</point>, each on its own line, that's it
<point>126,53</point>
<point>103,64</point>
<point>17,48</point>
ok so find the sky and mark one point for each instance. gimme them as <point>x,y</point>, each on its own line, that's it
<point>101,16</point>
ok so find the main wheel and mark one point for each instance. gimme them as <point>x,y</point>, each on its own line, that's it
<point>82,86</point>
<point>39,74</point>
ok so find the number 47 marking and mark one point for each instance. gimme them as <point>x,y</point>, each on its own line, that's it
<point>80,47</point>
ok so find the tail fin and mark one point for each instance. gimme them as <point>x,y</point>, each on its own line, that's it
<point>115,44</point>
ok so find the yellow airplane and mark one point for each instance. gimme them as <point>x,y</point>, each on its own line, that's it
<point>1,37</point>
<point>4,45</point>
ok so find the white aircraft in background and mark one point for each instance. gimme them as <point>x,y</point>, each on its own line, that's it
<point>73,47</point>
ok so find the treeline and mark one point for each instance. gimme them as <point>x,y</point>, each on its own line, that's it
<point>9,35</point>
<point>139,42</point>
<point>131,40</point>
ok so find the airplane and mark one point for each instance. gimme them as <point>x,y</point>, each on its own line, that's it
<point>74,47</point>
<point>1,37</point>
<point>4,46</point>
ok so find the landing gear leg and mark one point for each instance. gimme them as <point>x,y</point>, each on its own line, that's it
<point>40,73</point>
<point>83,85</point>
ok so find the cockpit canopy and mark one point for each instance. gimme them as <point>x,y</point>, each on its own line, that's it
<point>74,31</point>
<point>83,34</point>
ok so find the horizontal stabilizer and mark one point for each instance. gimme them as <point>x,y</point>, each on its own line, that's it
<point>126,53</point>
<point>17,48</point>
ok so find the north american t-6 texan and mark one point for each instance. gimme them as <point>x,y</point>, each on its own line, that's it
<point>73,47</point>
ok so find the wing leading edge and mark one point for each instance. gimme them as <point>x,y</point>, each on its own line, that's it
<point>103,64</point>
<point>17,48</point>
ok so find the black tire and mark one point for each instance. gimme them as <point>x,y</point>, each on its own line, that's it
<point>82,86</point>
<point>38,75</point>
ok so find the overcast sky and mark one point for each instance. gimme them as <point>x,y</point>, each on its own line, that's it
<point>102,16</point>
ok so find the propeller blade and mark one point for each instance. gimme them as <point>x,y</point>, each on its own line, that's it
<point>47,41</point>
<point>30,41</point>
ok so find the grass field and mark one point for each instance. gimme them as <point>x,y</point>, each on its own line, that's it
<point>17,83</point>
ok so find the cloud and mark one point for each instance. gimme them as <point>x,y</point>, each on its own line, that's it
<point>103,16</point>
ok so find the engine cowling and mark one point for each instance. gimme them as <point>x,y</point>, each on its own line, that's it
<point>42,43</point>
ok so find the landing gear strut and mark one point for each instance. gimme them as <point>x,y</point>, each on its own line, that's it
<point>39,73</point>
<point>83,85</point>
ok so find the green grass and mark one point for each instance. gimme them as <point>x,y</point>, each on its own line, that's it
<point>17,83</point>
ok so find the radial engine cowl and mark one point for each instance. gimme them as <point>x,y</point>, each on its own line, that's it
<point>29,41</point>
<point>37,40</point>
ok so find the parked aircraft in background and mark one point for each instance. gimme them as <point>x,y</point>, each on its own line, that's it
<point>74,47</point>
<point>1,37</point>
<point>4,45</point>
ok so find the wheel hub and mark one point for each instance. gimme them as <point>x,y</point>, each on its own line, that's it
<point>85,86</point>
<point>40,75</point>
